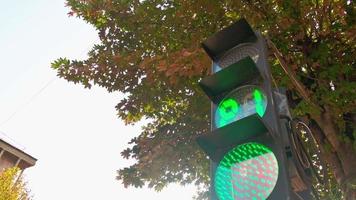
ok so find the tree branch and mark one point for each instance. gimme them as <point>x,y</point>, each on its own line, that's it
<point>304,92</point>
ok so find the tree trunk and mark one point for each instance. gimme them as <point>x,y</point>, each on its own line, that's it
<point>341,155</point>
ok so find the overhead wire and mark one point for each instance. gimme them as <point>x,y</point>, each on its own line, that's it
<point>32,98</point>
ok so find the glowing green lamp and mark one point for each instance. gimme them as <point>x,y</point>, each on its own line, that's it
<point>240,103</point>
<point>247,172</point>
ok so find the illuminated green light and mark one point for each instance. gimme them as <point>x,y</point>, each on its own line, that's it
<point>259,102</point>
<point>240,103</point>
<point>249,171</point>
<point>227,111</point>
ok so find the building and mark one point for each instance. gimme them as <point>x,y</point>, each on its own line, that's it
<point>11,156</point>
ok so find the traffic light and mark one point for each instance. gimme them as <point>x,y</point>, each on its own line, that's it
<point>245,146</point>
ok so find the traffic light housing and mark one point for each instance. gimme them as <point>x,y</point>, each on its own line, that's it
<point>244,145</point>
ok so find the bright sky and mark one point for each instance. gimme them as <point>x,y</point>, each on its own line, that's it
<point>73,132</point>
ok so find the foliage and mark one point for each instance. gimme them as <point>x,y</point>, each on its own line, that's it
<point>150,50</point>
<point>12,186</point>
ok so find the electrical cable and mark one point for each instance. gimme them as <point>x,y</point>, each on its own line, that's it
<point>322,170</point>
<point>33,97</point>
<point>302,157</point>
<point>298,196</point>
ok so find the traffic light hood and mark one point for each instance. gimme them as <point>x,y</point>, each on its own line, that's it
<point>217,85</point>
<point>216,142</point>
<point>233,35</point>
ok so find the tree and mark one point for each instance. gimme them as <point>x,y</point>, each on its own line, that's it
<point>150,50</point>
<point>12,186</point>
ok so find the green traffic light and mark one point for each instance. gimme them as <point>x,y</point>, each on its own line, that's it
<point>249,171</point>
<point>240,103</point>
<point>259,102</point>
<point>227,111</point>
